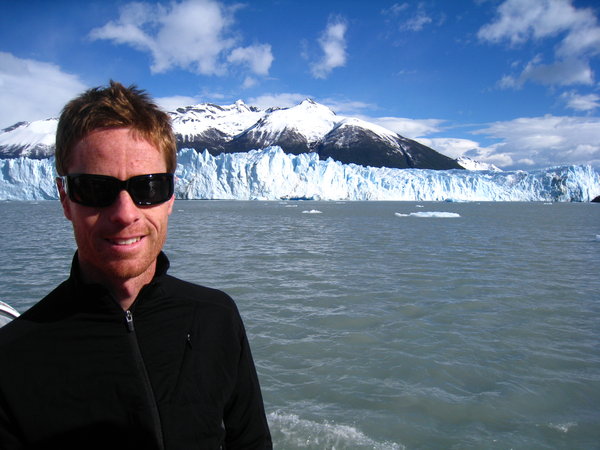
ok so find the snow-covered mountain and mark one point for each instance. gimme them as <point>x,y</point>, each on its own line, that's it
<point>271,174</point>
<point>305,128</point>
<point>308,127</point>
<point>471,164</point>
<point>30,139</point>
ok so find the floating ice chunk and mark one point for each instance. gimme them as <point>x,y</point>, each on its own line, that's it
<point>437,214</point>
<point>312,211</point>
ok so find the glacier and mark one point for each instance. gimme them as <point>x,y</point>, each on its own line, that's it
<point>271,174</point>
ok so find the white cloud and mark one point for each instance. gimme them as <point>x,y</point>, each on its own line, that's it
<point>521,20</point>
<point>176,101</point>
<point>452,147</point>
<point>560,73</point>
<point>577,29</point>
<point>457,147</point>
<point>410,128</point>
<point>257,57</point>
<point>282,100</point>
<point>193,35</point>
<point>333,45</point>
<point>346,107</point>
<point>580,102</point>
<point>548,140</point>
<point>33,90</point>
<point>416,22</point>
<point>395,9</point>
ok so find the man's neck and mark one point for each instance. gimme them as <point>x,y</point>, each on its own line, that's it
<point>124,290</point>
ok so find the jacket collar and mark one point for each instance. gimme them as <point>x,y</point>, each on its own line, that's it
<point>96,290</point>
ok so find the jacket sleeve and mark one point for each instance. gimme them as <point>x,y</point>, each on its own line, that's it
<point>245,422</point>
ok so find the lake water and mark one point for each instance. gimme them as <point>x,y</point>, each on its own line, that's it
<point>373,328</point>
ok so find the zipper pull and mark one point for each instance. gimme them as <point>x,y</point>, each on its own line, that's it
<point>129,320</point>
<point>189,340</point>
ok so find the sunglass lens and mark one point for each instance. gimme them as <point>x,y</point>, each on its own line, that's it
<point>150,190</point>
<point>94,191</point>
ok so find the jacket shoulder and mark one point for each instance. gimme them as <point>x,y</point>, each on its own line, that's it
<point>51,307</point>
<point>196,293</point>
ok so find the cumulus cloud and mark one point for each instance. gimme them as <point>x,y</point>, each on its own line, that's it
<point>579,102</point>
<point>33,90</point>
<point>457,147</point>
<point>559,73</point>
<point>333,46</point>
<point>520,20</point>
<point>410,128</point>
<point>545,141</point>
<point>257,57</point>
<point>576,29</point>
<point>194,35</point>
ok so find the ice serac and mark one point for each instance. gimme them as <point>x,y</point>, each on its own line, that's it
<point>272,174</point>
<point>27,179</point>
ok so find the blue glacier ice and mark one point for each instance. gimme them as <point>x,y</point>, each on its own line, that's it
<point>271,174</point>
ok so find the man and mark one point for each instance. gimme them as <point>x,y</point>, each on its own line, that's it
<point>122,355</point>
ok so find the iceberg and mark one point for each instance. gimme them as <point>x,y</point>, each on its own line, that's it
<point>434,214</point>
<point>271,174</point>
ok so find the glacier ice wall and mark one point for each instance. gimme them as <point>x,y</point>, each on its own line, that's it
<point>271,174</point>
<point>27,179</point>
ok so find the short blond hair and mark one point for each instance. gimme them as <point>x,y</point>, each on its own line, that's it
<point>114,106</point>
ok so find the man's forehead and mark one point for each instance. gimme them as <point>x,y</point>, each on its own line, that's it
<point>114,149</point>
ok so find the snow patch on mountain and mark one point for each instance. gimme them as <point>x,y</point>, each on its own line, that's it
<point>471,164</point>
<point>230,120</point>
<point>33,139</point>
<point>309,119</point>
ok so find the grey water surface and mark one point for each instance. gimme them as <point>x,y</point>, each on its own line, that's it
<point>385,325</point>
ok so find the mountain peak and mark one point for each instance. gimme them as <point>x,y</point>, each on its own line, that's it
<point>308,127</point>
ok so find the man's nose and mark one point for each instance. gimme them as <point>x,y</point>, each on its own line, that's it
<point>124,210</point>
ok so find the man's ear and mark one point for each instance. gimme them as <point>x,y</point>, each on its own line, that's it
<point>171,201</point>
<point>64,198</point>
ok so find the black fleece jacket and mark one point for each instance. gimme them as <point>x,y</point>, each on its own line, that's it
<point>173,372</point>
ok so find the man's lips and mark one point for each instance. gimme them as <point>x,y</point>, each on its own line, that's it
<point>124,240</point>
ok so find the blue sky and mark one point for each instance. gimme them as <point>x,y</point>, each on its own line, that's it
<point>508,82</point>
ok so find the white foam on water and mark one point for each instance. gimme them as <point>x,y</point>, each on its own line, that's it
<point>436,214</point>
<point>301,433</point>
<point>312,211</point>
<point>562,427</point>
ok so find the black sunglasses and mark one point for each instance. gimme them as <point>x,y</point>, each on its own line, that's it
<point>102,190</point>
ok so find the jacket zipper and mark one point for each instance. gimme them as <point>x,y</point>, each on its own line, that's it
<point>141,366</point>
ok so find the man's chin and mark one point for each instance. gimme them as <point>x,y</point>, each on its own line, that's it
<point>122,270</point>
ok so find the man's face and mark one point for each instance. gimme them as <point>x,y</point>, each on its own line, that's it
<point>121,241</point>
